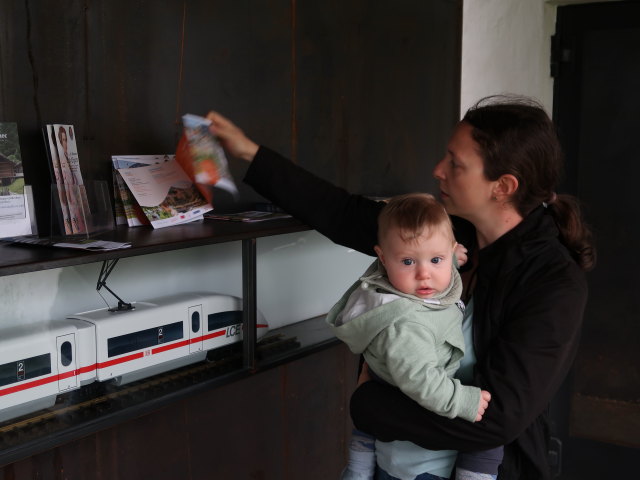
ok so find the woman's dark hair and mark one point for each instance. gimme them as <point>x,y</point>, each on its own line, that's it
<point>517,137</point>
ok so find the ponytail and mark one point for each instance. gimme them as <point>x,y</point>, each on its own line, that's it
<point>574,232</point>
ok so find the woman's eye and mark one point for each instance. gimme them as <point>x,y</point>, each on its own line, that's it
<point>436,260</point>
<point>407,261</point>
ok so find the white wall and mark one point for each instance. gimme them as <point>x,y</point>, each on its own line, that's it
<point>505,48</point>
<point>299,275</point>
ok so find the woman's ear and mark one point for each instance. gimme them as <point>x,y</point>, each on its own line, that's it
<point>505,187</point>
<point>379,253</point>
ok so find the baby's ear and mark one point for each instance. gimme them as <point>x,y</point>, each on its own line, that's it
<point>379,253</point>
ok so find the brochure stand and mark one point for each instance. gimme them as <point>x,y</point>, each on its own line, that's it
<point>21,217</point>
<point>81,210</point>
<point>31,209</point>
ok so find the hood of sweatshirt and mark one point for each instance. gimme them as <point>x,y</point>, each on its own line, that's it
<point>376,277</point>
<point>372,304</point>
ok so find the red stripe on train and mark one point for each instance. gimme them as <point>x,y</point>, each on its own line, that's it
<point>117,361</point>
<point>171,346</point>
<point>24,386</point>
<point>44,381</point>
<point>110,363</point>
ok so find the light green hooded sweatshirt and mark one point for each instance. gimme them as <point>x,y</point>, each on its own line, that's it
<point>413,343</point>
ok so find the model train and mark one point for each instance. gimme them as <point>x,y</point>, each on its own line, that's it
<point>40,361</point>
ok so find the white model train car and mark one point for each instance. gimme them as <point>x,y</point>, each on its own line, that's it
<point>38,362</point>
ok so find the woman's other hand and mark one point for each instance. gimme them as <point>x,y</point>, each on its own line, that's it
<point>232,138</point>
<point>461,254</point>
<point>365,376</point>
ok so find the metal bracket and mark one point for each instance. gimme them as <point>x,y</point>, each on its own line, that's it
<point>105,271</point>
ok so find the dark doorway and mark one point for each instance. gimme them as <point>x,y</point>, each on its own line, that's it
<point>596,64</point>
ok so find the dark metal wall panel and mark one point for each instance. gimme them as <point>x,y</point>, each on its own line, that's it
<point>317,442</point>
<point>153,446</point>
<point>43,80</point>
<point>363,93</point>
<point>132,78</point>
<point>376,91</point>
<point>241,433</point>
<point>237,60</point>
<point>287,423</point>
<point>596,103</point>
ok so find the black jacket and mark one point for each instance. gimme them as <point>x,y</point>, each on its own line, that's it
<point>528,307</point>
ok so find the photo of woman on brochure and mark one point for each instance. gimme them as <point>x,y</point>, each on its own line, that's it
<point>60,192</point>
<point>72,178</point>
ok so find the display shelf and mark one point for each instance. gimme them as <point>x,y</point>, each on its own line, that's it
<point>111,406</point>
<point>20,258</point>
<point>66,423</point>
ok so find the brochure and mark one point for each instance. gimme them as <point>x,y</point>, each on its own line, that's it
<point>14,212</point>
<point>248,216</point>
<point>210,166</point>
<point>133,214</point>
<point>165,193</point>
<point>82,244</point>
<point>118,205</point>
<point>51,147</point>
<point>65,167</point>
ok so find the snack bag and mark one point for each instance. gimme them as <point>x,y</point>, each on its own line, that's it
<point>208,161</point>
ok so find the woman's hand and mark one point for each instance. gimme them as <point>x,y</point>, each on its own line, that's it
<point>461,254</point>
<point>365,376</point>
<point>232,138</point>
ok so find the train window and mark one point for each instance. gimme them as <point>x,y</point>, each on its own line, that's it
<point>26,369</point>
<point>216,321</point>
<point>66,354</point>
<point>195,322</point>
<point>144,339</point>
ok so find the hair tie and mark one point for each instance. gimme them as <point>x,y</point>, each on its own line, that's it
<point>551,200</point>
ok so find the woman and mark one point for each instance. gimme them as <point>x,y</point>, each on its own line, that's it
<point>525,286</point>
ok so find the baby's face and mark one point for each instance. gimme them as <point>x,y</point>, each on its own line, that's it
<point>421,266</point>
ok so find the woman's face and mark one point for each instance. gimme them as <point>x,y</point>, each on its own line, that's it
<point>464,189</point>
<point>63,140</point>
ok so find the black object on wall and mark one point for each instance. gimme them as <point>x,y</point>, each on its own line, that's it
<point>362,93</point>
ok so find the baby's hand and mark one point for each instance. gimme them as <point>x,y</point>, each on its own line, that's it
<point>461,254</point>
<point>485,398</point>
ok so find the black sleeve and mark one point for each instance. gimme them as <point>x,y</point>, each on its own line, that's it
<point>346,219</point>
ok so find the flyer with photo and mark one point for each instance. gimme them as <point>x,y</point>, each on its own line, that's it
<point>165,193</point>
<point>14,212</point>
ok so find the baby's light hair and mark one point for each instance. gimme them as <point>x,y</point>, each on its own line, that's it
<point>415,215</point>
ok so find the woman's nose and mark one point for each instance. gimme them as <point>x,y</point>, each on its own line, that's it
<point>438,171</point>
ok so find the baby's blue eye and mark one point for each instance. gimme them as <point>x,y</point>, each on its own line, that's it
<point>407,261</point>
<point>436,260</point>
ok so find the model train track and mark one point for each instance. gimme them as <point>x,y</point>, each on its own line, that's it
<point>97,399</point>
